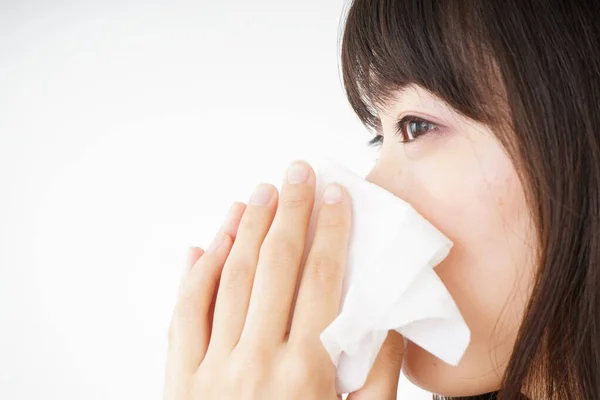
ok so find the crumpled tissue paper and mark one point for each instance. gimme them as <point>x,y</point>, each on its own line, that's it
<point>389,283</point>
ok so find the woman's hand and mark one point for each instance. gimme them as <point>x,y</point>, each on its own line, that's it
<point>229,335</point>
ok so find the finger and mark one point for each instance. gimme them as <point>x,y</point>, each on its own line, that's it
<point>321,286</point>
<point>382,382</point>
<point>189,332</point>
<point>230,227</point>
<point>238,273</point>
<point>232,220</point>
<point>234,216</point>
<point>197,291</point>
<point>193,254</point>
<point>280,258</point>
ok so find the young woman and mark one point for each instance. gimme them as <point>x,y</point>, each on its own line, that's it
<point>488,118</point>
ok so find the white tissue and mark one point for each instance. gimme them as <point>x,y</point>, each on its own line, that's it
<point>390,282</point>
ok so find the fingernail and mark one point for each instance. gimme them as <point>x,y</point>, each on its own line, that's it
<point>191,256</point>
<point>216,243</point>
<point>297,173</point>
<point>333,194</point>
<point>232,220</point>
<point>261,195</point>
<point>230,214</point>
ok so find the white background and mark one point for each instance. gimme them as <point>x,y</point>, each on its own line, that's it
<point>126,131</point>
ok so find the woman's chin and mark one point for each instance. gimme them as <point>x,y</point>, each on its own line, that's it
<point>430,373</point>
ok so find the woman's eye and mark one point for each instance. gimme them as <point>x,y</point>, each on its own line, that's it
<point>376,141</point>
<point>409,128</point>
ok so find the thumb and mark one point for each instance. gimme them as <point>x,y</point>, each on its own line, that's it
<point>382,382</point>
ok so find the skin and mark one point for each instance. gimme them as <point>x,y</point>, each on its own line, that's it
<point>242,348</point>
<point>462,181</point>
<point>228,337</point>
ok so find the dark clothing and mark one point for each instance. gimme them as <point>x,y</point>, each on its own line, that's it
<point>485,396</point>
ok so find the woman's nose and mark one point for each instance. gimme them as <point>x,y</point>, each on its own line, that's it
<point>389,177</point>
<point>371,176</point>
<point>376,176</point>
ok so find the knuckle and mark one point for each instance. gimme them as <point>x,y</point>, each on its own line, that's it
<point>252,222</point>
<point>237,273</point>
<point>249,368</point>
<point>297,372</point>
<point>186,306</point>
<point>210,378</point>
<point>333,220</point>
<point>240,370</point>
<point>280,250</point>
<point>184,312</point>
<point>306,366</point>
<point>295,200</point>
<point>324,268</point>
<point>205,381</point>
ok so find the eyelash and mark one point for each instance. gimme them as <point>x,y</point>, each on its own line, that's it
<point>400,130</point>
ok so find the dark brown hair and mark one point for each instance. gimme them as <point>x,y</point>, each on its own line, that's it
<point>531,71</point>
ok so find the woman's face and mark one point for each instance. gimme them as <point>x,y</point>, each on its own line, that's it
<point>457,176</point>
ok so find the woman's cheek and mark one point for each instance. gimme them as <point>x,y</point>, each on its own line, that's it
<point>466,186</point>
<point>471,193</point>
<point>445,187</point>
